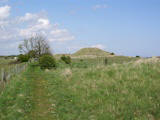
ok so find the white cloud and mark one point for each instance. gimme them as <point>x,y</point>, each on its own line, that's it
<point>4,12</point>
<point>100,46</point>
<point>100,6</point>
<point>28,17</point>
<point>3,23</point>
<point>13,30</point>
<point>42,25</point>
<point>4,15</point>
<point>60,35</point>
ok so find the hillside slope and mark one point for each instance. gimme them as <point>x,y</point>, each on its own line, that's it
<point>92,52</point>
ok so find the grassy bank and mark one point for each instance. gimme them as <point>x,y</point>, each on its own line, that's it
<point>127,91</point>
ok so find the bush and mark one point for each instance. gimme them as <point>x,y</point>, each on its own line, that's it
<point>23,58</point>
<point>81,60</point>
<point>66,59</point>
<point>137,56</point>
<point>112,53</point>
<point>6,57</point>
<point>47,62</point>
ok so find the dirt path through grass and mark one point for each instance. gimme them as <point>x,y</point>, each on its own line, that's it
<point>42,106</point>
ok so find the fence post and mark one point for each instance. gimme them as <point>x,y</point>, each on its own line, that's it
<point>5,76</point>
<point>16,68</point>
<point>2,74</point>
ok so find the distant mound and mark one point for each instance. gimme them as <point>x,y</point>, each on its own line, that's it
<point>91,52</point>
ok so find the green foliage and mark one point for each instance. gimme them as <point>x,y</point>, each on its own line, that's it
<point>48,53</point>
<point>66,59</point>
<point>112,53</point>
<point>32,54</point>
<point>81,60</point>
<point>47,62</point>
<point>137,56</point>
<point>6,57</point>
<point>23,58</point>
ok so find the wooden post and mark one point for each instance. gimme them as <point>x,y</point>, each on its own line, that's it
<point>16,69</point>
<point>2,74</point>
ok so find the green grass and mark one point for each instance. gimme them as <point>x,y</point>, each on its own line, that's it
<point>128,91</point>
<point>4,65</point>
<point>10,69</point>
<point>87,53</point>
<point>98,61</point>
<point>4,62</point>
<point>90,52</point>
<point>15,100</point>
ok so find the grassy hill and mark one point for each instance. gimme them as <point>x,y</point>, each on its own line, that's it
<point>94,56</point>
<point>91,52</point>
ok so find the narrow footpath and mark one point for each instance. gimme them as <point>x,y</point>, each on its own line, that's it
<point>42,106</point>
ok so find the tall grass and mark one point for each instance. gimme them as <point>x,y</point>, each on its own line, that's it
<point>98,61</point>
<point>128,91</point>
<point>8,70</point>
<point>15,100</point>
<point>116,92</point>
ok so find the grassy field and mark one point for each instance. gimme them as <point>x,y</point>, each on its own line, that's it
<point>98,61</point>
<point>4,62</point>
<point>128,91</point>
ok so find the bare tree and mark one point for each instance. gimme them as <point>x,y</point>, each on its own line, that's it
<point>36,44</point>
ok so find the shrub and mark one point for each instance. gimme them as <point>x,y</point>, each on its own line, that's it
<point>23,58</point>
<point>47,62</point>
<point>66,59</point>
<point>6,57</point>
<point>112,53</point>
<point>81,60</point>
<point>137,56</point>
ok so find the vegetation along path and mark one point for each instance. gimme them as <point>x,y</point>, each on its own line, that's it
<point>127,91</point>
<point>26,98</point>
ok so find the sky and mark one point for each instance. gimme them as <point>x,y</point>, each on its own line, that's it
<point>125,27</point>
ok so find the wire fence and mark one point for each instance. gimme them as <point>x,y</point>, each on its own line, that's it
<point>8,71</point>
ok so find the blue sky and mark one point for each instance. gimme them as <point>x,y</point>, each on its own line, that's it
<point>125,27</point>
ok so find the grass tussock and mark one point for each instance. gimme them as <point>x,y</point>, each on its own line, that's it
<point>114,92</point>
